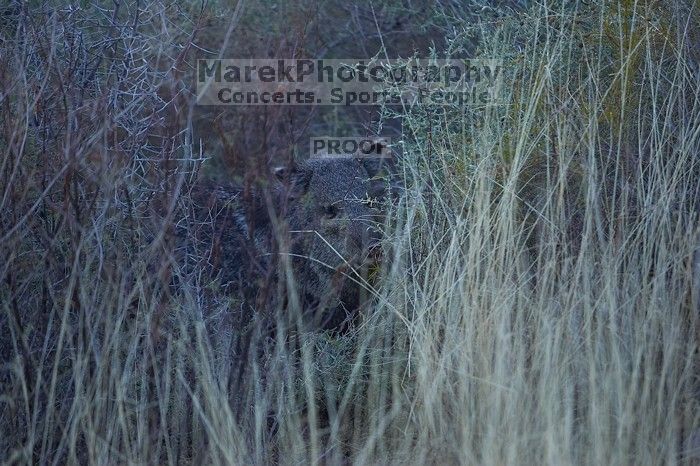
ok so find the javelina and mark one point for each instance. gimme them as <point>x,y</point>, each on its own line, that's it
<point>323,214</point>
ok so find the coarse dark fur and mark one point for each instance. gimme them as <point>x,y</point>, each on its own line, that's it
<point>321,218</point>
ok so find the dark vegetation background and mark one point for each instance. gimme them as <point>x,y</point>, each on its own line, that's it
<point>541,301</point>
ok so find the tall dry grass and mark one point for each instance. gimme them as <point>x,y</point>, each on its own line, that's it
<point>538,305</point>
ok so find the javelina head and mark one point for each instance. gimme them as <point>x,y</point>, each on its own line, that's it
<point>334,217</point>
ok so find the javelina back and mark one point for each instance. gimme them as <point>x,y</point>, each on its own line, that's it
<point>322,214</point>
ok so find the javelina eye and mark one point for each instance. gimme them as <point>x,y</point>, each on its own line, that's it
<point>330,211</point>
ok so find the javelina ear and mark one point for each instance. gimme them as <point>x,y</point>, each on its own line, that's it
<point>381,165</point>
<point>377,168</point>
<point>384,175</point>
<point>295,179</point>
